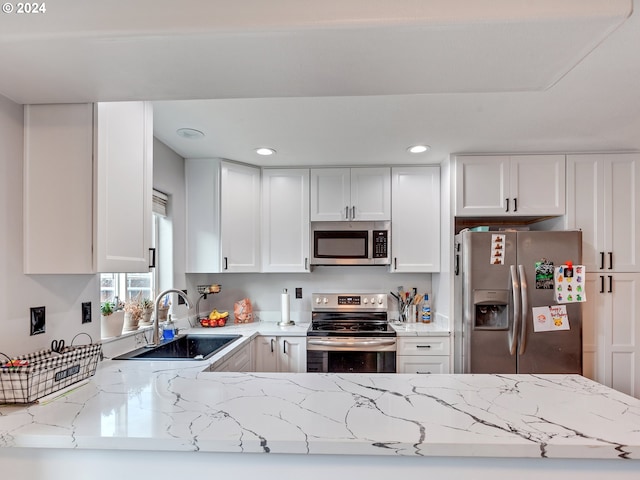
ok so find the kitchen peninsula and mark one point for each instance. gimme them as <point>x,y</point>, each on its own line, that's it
<point>158,417</point>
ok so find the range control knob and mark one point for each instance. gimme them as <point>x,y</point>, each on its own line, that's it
<point>365,301</point>
<point>317,300</point>
<point>325,300</point>
<point>380,300</point>
<point>373,301</point>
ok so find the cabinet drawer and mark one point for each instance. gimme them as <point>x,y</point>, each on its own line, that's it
<point>422,364</point>
<point>239,362</point>
<point>423,346</point>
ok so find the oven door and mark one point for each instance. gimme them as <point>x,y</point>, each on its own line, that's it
<point>351,355</point>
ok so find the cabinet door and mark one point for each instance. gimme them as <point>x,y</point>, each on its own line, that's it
<point>537,185</point>
<point>370,194</point>
<point>482,185</point>
<point>240,218</point>
<point>292,356</point>
<point>621,333</point>
<point>202,185</point>
<point>285,220</point>
<point>585,205</point>
<point>266,353</point>
<point>124,183</point>
<point>622,212</point>
<point>58,183</point>
<point>415,224</point>
<point>330,194</point>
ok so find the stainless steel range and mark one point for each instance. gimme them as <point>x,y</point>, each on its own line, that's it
<point>350,333</point>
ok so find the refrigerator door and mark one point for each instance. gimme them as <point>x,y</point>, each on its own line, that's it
<point>548,352</point>
<point>488,303</point>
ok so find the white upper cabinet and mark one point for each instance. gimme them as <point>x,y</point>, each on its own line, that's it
<point>223,216</point>
<point>240,218</point>
<point>602,201</point>
<point>501,185</point>
<point>124,186</point>
<point>88,187</point>
<point>285,220</point>
<point>415,224</point>
<point>350,194</point>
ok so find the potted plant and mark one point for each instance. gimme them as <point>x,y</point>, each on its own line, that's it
<point>132,314</point>
<point>111,320</point>
<point>147,310</point>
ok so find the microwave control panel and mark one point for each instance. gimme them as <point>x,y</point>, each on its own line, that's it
<point>380,244</point>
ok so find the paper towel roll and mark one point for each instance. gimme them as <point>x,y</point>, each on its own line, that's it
<point>285,308</point>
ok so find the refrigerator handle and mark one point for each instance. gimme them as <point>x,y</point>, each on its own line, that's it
<point>515,327</point>
<point>525,309</point>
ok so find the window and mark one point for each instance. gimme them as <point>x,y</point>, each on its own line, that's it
<point>123,286</point>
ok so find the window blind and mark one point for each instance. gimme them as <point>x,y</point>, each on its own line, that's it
<point>160,202</point>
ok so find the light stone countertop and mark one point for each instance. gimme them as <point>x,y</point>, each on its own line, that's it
<point>175,406</point>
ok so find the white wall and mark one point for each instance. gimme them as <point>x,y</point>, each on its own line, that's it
<point>62,295</point>
<point>264,289</point>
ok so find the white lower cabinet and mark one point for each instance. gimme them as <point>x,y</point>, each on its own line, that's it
<point>280,354</point>
<point>611,331</point>
<point>240,361</point>
<point>428,354</point>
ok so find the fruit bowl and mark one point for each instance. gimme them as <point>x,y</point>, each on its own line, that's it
<point>210,322</point>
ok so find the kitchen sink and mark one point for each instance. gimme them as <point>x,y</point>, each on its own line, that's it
<point>183,347</point>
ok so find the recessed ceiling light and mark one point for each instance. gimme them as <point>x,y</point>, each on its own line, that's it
<point>418,148</point>
<point>190,133</point>
<point>265,151</point>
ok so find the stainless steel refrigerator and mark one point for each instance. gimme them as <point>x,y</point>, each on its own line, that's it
<point>499,278</point>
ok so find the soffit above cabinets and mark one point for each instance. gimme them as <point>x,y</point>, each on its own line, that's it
<point>160,50</point>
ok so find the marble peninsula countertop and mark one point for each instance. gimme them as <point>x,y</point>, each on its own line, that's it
<point>176,406</point>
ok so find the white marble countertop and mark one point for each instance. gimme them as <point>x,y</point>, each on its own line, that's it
<point>420,329</point>
<point>175,406</point>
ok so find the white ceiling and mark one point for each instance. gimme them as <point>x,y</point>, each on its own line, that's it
<point>343,82</point>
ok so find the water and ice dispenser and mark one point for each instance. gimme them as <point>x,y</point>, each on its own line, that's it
<point>491,309</point>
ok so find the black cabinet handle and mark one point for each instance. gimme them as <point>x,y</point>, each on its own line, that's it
<point>610,284</point>
<point>601,260</point>
<point>423,346</point>
<point>306,263</point>
<point>272,340</point>
<point>610,260</point>
<point>457,265</point>
<point>395,263</point>
<point>152,258</point>
<point>515,204</point>
<point>601,283</point>
<point>507,204</point>
<point>284,347</point>
<point>226,263</point>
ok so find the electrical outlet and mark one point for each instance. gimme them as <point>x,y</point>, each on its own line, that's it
<point>37,320</point>
<point>86,312</point>
<point>298,292</point>
<point>180,299</point>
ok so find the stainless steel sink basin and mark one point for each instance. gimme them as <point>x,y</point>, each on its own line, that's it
<point>183,347</point>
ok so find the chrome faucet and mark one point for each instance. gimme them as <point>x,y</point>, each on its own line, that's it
<point>156,334</point>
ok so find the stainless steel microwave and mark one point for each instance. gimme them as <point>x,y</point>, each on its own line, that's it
<point>351,243</point>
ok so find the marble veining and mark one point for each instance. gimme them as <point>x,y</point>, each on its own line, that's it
<point>170,407</point>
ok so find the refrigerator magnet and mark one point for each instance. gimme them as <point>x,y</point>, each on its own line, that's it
<point>544,274</point>
<point>497,249</point>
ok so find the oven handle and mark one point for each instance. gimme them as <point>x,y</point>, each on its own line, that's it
<point>352,342</point>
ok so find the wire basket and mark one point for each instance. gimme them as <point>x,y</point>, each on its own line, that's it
<point>46,372</point>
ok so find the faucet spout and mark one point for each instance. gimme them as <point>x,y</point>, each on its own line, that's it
<point>156,335</point>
